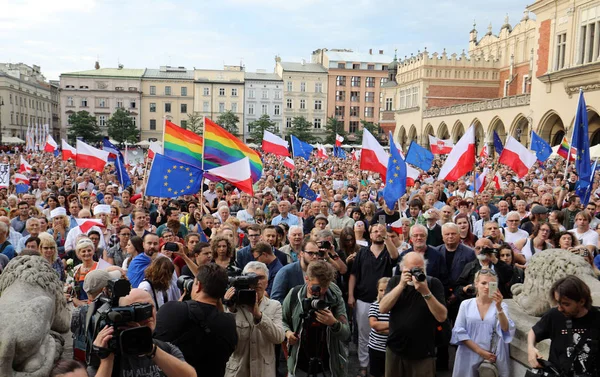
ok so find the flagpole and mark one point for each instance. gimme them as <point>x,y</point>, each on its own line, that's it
<point>587,192</point>
<point>572,134</point>
<point>475,169</point>
<point>202,166</point>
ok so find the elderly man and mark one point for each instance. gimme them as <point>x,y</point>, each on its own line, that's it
<point>12,236</point>
<point>484,214</point>
<point>512,233</point>
<point>294,247</point>
<point>502,214</point>
<point>285,216</point>
<point>434,230</point>
<point>33,230</point>
<point>436,261</point>
<point>6,247</point>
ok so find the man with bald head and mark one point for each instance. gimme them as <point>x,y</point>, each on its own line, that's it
<point>13,236</point>
<point>285,216</point>
<point>164,360</point>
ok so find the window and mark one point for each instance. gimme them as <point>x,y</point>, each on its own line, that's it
<point>371,67</point>
<point>402,99</point>
<point>234,107</point>
<point>341,65</point>
<point>277,94</point>
<point>302,104</point>
<point>303,87</point>
<point>152,124</point>
<point>415,96</point>
<point>132,104</point>
<point>525,84</point>
<point>183,124</point>
<point>84,102</point>
<point>265,94</point>
<point>370,97</point>
<point>370,82</point>
<point>167,90</point>
<point>289,103</point>
<point>152,107</point>
<point>133,120</point>
<point>205,106</point>
<point>561,46</point>
<point>251,93</point>
<point>318,105</point>
<point>221,107</point>
<point>355,66</point>
<point>355,96</point>
<point>389,104</point>
<point>119,104</point>
<point>339,111</point>
<point>340,95</point>
<point>369,112</point>
<point>221,92</point>
<point>167,107</point>
<point>506,85</point>
<point>317,123</point>
<point>340,81</point>
<point>290,86</point>
<point>276,110</point>
<point>353,126</point>
<point>69,101</point>
<point>288,122</point>
<point>184,108</point>
<point>10,98</point>
<point>382,81</point>
<point>102,120</point>
<point>234,92</point>
<point>588,36</point>
<point>12,116</point>
<point>206,91</point>
<point>318,87</point>
<point>120,89</point>
<point>355,81</point>
<point>250,109</point>
<point>184,91</point>
<point>264,109</point>
<point>354,110</point>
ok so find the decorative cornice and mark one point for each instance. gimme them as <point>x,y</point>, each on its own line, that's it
<point>584,76</point>
<point>491,104</point>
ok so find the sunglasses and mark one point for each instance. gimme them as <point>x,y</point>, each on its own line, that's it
<point>487,271</point>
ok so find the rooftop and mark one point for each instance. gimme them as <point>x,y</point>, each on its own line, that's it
<point>349,57</point>
<point>175,74</point>
<point>303,67</point>
<point>262,76</point>
<point>109,72</point>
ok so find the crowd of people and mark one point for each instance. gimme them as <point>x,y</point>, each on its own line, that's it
<point>278,282</point>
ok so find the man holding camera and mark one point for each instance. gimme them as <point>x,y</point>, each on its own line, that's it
<point>293,274</point>
<point>206,336</point>
<point>163,359</point>
<point>259,327</point>
<point>315,323</point>
<point>415,303</point>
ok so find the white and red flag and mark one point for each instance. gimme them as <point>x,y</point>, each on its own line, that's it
<point>24,166</point>
<point>498,180</point>
<point>338,140</point>
<point>397,226</point>
<point>86,224</point>
<point>321,151</point>
<point>50,145</point>
<point>68,151</point>
<point>237,173</point>
<point>274,144</point>
<point>373,157</point>
<point>155,147</point>
<point>90,157</point>
<point>412,175</point>
<point>517,157</point>
<point>484,153</point>
<point>21,179</point>
<point>461,159</point>
<point>289,163</point>
<point>356,155</point>
<point>440,146</point>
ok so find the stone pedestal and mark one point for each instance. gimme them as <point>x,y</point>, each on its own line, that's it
<point>518,347</point>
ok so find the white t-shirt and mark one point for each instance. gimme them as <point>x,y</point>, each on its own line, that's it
<point>589,238</point>
<point>514,237</point>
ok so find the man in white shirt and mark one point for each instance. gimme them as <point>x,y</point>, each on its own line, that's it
<point>501,216</point>
<point>462,191</point>
<point>512,233</point>
<point>210,194</point>
<point>582,231</point>
<point>484,213</point>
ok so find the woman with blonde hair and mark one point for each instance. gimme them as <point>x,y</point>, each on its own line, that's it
<point>49,251</point>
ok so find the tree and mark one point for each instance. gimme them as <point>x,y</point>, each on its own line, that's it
<point>121,127</point>
<point>373,128</point>
<point>229,121</point>
<point>83,124</point>
<point>333,127</point>
<point>195,123</point>
<point>258,128</point>
<point>302,129</point>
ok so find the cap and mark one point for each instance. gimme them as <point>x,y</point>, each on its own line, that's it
<point>102,208</point>
<point>59,211</point>
<point>539,210</point>
<point>96,280</point>
<point>134,198</point>
<point>319,217</point>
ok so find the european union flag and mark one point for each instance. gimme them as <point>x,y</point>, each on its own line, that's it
<point>419,156</point>
<point>306,193</point>
<point>581,142</point>
<point>121,172</point>
<point>588,192</point>
<point>21,188</point>
<point>542,149</point>
<point>395,185</point>
<point>339,152</point>
<point>170,178</point>
<point>301,148</point>
<point>498,144</point>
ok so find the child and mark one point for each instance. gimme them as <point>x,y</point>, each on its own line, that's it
<point>379,332</point>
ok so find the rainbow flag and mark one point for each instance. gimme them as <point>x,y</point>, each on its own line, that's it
<point>183,145</point>
<point>222,148</point>
<point>563,150</point>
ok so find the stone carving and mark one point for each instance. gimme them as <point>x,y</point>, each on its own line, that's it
<point>33,311</point>
<point>101,84</point>
<point>546,267</point>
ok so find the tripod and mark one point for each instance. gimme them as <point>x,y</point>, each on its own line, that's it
<point>315,362</point>
<point>315,365</point>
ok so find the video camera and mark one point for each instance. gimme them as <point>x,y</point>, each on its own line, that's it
<point>244,285</point>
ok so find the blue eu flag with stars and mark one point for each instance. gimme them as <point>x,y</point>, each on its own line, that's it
<point>419,156</point>
<point>498,143</point>
<point>170,178</point>
<point>581,142</point>
<point>395,181</point>
<point>542,149</point>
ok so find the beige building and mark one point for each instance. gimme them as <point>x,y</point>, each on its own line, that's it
<point>304,93</point>
<point>167,93</point>
<point>101,92</point>
<point>25,99</point>
<point>217,91</point>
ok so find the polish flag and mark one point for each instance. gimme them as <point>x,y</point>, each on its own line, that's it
<point>68,151</point>
<point>321,152</point>
<point>412,175</point>
<point>155,147</point>
<point>21,179</point>
<point>236,173</point>
<point>439,146</point>
<point>461,159</point>
<point>484,153</point>
<point>397,226</point>
<point>481,180</point>
<point>373,156</point>
<point>289,163</point>
<point>338,140</point>
<point>356,155</point>
<point>274,144</point>
<point>24,166</point>
<point>86,224</point>
<point>498,180</point>
<point>517,157</point>
<point>90,157</point>
<point>51,145</point>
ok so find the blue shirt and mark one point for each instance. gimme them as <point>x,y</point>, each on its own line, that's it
<point>289,220</point>
<point>274,268</point>
<point>9,251</point>
<point>287,278</point>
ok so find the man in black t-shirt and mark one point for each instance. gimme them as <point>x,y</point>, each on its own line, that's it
<point>573,328</point>
<point>205,335</point>
<point>416,308</point>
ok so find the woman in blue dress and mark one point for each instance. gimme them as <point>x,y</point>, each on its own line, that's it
<point>479,320</point>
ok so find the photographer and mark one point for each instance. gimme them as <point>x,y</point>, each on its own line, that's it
<point>315,323</point>
<point>205,335</point>
<point>573,328</point>
<point>163,360</point>
<point>258,328</point>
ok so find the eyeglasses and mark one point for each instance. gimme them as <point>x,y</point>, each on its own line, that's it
<point>124,234</point>
<point>314,254</point>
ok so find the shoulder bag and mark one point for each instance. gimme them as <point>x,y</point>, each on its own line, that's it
<point>487,368</point>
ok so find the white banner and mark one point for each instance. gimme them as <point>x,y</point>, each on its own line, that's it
<point>4,175</point>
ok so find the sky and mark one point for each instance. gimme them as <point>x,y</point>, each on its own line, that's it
<point>70,35</point>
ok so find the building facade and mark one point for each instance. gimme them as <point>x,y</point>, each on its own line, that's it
<point>218,91</point>
<point>167,93</point>
<point>25,99</point>
<point>263,96</point>
<point>55,108</point>
<point>354,81</point>
<point>304,93</point>
<point>101,92</point>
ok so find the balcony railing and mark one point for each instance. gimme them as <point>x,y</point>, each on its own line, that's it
<point>491,104</point>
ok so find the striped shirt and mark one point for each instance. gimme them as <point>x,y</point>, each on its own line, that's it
<point>377,340</point>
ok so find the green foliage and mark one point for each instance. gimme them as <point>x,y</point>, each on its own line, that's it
<point>302,129</point>
<point>83,124</point>
<point>229,121</point>
<point>373,128</point>
<point>333,127</point>
<point>258,128</point>
<point>195,123</point>
<point>121,127</point>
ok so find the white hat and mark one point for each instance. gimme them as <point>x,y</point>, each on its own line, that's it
<point>59,211</point>
<point>102,208</point>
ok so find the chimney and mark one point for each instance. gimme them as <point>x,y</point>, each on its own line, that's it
<point>380,52</point>
<point>370,51</point>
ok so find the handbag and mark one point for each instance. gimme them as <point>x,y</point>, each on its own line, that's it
<point>487,368</point>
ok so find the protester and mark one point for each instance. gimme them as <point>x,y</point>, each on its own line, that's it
<point>380,328</point>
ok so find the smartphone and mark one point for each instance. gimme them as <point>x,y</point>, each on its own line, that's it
<point>493,288</point>
<point>382,219</point>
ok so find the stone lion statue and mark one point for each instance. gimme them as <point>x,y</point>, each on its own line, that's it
<point>33,311</point>
<point>546,267</point>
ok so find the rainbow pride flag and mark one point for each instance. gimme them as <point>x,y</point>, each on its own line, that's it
<point>563,150</point>
<point>222,148</point>
<point>183,145</point>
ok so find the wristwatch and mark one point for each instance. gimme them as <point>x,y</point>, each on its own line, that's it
<point>427,296</point>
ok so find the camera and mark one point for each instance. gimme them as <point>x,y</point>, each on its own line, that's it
<point>244,289</point>
<point>324,245</point>
<point>171,246</point>
<point>418,273</point>
<point>311,304</point>
<point>489,250</point>
<point>185,283</point>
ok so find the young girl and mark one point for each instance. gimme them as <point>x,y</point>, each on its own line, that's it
<point>379,332</point>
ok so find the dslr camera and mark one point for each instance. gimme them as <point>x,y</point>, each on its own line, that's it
<point>311,304</point>
<point>107,312</point>
<point>489,250</point>
<point>418,273</point>
<point>244,285</point>
<point>185,283</point>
